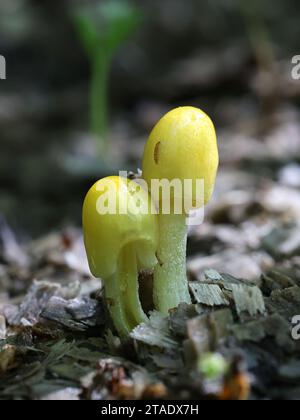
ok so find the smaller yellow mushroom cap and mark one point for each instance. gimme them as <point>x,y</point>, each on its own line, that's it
<point>118,212</point>
<point>183,146</point>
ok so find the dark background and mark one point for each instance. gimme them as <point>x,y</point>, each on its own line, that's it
<point>233,59</point>
<point>213,55</point>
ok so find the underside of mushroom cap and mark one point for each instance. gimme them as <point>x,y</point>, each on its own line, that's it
<point>118,212</point>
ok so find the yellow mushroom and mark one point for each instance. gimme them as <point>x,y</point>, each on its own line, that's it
<point>120,235</point>
<point>181,148</point>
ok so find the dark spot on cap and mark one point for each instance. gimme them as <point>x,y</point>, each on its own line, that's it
<point>156,152</point>
<point>160,262</point>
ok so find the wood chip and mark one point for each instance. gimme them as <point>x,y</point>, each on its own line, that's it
<point>2,327</point>
<point>248,299</point>
<point>208,294</point>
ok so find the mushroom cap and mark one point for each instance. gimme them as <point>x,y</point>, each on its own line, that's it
<point>183,145</point>
<point>131,220</point>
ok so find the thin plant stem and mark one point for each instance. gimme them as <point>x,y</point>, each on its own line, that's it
<point>99,99</point>
<point>258,34</point>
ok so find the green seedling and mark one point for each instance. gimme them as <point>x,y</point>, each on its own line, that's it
<point>102,29</point>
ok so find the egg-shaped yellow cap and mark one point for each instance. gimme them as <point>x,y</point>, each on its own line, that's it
<point>118,212</point>
<point>183,146</point>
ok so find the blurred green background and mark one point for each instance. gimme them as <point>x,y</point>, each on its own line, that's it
<point>87,80</point>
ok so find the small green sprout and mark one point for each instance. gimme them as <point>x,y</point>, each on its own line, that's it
<point>212,366</point>
<point>102,28</point>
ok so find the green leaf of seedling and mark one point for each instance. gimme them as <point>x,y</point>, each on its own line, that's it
<point>87,33</point>
<point>102,28</point>
<point>105,26</point>
<point>121,18</point>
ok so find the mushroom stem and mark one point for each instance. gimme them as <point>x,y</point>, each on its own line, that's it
<point>115,304</point>
<point>129,281</point>
<point>122,292</point>
<point>170,278</point>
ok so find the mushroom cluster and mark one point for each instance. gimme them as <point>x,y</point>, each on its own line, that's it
<point>141,234</point>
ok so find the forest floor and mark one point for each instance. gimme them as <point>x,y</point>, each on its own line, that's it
<point>234,342</point>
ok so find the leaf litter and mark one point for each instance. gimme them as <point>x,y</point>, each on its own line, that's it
<point>57,341</point>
